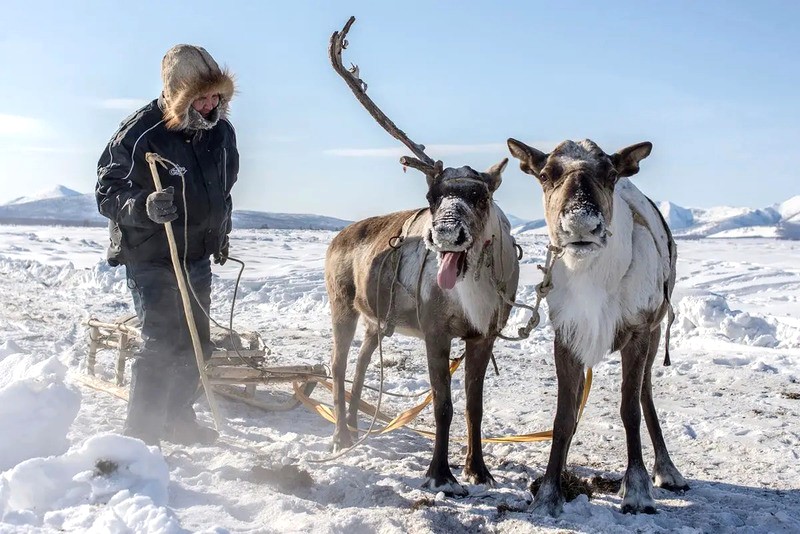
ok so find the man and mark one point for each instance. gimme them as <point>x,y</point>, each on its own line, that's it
<point>187,125</point>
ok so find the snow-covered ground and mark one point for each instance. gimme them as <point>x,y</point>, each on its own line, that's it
<point>729,405</point>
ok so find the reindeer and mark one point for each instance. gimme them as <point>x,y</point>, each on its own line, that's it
<point>611,290</point>
<point>439,273</point>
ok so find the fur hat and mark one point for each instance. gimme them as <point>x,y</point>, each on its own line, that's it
<point>187,72</point>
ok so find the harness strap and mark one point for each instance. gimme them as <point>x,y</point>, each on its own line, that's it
<point>668,283</point>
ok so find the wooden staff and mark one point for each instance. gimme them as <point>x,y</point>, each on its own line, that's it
<point>152,158</point>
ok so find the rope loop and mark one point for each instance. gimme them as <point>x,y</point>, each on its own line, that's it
<point>542,289</point>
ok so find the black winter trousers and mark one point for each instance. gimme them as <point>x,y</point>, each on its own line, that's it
<point>165,378</point>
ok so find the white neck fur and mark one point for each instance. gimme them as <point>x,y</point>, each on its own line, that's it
<point>475,296</point>
<point>586,304</point>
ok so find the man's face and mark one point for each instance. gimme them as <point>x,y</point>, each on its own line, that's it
<point>205,103</point>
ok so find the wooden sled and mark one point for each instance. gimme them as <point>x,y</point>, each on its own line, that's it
<point>238,365</point>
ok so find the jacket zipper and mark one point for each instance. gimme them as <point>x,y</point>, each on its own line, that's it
<point>224,171</point>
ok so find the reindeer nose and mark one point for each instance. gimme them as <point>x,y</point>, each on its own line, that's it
<point>462,237</point>
<point>450,234</point>
<point>582,222</point>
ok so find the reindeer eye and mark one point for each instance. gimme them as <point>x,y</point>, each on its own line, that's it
<point>543,176</point>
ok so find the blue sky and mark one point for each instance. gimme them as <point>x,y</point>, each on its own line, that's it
<point>714,85</point>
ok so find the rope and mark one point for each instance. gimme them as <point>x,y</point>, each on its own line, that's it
<point>542,289</point>
<point>395,243</point>
<point>246,361</point>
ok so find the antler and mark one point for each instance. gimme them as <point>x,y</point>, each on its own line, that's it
<point>422,162</point>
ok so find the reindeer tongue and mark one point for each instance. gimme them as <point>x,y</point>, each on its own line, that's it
<point>448,270</point>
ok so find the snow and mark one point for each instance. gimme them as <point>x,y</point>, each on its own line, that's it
<point>122,477</point>
<point>35,404</point>
<point>728,404</point>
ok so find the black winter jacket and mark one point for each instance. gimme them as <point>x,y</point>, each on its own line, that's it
<point>210,163</point>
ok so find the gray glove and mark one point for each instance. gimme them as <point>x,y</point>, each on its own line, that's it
<point>222,256</point>
<point>160,206</point>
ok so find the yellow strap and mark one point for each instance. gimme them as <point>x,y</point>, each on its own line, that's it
<point>363,405</point>
<point>547,434</point>
<point>409,415</point>
<point>367,408</point>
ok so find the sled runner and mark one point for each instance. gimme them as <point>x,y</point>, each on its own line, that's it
<point>238,365</point>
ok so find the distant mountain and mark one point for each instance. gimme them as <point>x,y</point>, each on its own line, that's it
<point>676,216</point>
<point>68,209</point>
<point>514,220</point>
<point>711,221</point>
<point>65,207</point>
<point>260,219</point>
<point>58,191</point>
<point>537,226</point>
<point>789,227</point>
<point>779,220</point>
<point>790,210</point>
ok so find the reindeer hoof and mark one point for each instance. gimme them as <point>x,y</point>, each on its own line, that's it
<point>547,507</point>
<point>637,492</point>
<point>449,488</point>
<point>672,487</point>
<point>482,476</point>
<point>670,479</point>
<point>635,509</point>
<point>637,501</point>
<point>341,443</point>
<point>548,501</point>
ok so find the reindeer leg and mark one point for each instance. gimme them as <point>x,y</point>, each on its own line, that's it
<point>478,353</point>
<point>368,346</point>
<point>637,490</point>
<point>665,474</point>
<point>569,371</point>
<point>439,476</point>
<point>344,328</point>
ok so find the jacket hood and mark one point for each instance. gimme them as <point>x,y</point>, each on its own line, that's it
<point>187,72</point>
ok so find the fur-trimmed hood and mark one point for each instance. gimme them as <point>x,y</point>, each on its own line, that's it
<point>187,72</point>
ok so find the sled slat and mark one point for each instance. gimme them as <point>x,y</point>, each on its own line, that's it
<point>102,385</point>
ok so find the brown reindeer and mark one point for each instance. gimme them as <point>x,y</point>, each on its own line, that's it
<point>611,290</point>
<point>445,279</point>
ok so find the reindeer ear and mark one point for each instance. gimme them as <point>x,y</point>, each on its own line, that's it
<point>626,161</point>
<point>494,175</point>
<point>531,161</point>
